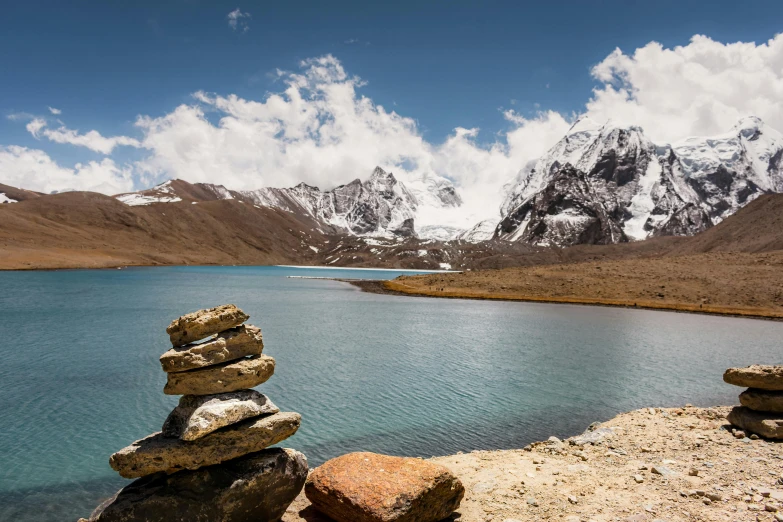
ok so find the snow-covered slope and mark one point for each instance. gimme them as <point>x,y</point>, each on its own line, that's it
<point>6,199</point>
<point>382,205</point>
<point>163,193</point>
<point>482,231</point>
<point>730,170</point>
<point>607,184</point>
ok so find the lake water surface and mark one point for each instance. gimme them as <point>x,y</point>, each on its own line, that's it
<point>80,376</point>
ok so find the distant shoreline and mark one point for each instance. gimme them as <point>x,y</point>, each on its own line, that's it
<point>392,287</point>
<point>125,266</point>
<point>416,270</point>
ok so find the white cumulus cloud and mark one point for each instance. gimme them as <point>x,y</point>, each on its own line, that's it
<point>702,88</point>
<point>93,139</point>
<point>33,169</point>
<point>322,131</point>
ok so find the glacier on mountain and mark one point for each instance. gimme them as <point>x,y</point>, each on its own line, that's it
<point>605,184</point>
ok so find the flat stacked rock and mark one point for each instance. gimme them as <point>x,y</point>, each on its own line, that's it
<point>762,403</point>
<point>209,461</point>
<point>368,487</point>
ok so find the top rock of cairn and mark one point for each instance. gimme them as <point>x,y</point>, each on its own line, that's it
<point>204,323</point>
<point>764,377</point>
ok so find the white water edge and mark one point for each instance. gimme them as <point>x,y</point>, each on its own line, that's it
<point>377,269</point>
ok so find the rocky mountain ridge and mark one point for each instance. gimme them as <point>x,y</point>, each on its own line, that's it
<point>604,184</point>
<point>382,205</point>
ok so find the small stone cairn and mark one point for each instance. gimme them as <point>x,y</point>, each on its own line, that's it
<point>761,412</point>
<point>209,461</point>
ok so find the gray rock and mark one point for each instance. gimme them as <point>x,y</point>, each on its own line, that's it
<point>254,488</point>
<point>769,425</point>
<point>756,376</point>
<point>157,453</point>
<point>200,415</point>
<point>663,471</point>
<point>762,400</point>
<point>229,345</point>
<point>202,324</point>
<point>226,377</point>
<point>593,436</point>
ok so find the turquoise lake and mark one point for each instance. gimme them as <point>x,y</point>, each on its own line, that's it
<point>80,376</point>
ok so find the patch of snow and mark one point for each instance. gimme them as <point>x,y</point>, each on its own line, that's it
<point>314,249</point>
<point>642,203</point>
<point>445,266</point>
<point>6,199</point>
<point>136,199</point>
<point>483,231</point>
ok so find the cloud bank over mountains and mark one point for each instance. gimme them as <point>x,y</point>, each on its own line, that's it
<point>321,130</point>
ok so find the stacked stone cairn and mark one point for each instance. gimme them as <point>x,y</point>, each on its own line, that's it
<point>761,412</point>
<point>209,462</point>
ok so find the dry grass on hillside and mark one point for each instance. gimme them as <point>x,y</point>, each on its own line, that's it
<point>728,283</point>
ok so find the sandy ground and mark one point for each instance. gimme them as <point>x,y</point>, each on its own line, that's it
<point>676,464</point>
<point>728,283</point>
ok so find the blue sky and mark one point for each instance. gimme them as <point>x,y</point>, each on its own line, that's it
<point>444,64</point>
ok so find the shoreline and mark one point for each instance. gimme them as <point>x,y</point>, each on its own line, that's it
<point>123,266</point>
<point>413,270</point>
<point>675,464</point>
<point>392,287</point>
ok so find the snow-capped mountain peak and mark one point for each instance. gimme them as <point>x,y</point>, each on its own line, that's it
<point>605,183</point>
<point>382,205</point>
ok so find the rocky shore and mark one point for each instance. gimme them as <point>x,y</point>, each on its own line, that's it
<point>653,464</point>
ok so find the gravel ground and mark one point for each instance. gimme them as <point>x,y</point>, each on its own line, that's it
<point>654,464</point>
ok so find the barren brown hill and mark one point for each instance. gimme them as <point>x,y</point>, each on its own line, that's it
<point>18,194</point>
<point>757,227</point>
<point>84,229</point>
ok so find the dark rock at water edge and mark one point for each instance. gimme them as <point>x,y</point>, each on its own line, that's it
<point>255,488</point>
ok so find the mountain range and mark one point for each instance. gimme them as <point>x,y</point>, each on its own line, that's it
<point>600,184</point>
<point>380,206</point>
